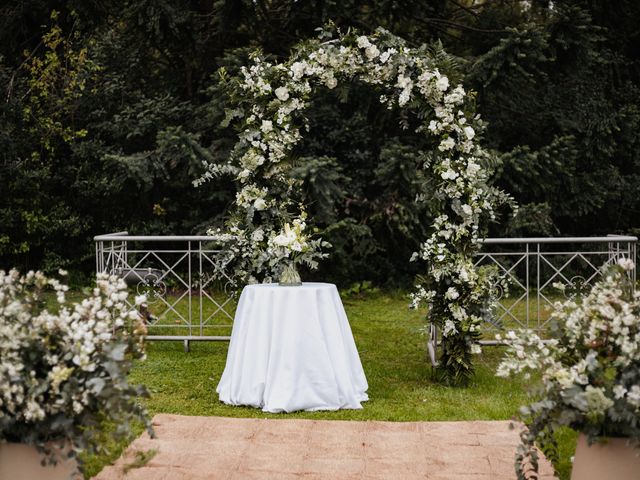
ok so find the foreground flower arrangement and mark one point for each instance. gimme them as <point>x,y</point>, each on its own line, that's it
<point>63,372</point>
<point>590,369</point>
<point>270,99</point>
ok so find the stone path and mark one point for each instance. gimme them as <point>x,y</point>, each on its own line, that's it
<point>265,449</point>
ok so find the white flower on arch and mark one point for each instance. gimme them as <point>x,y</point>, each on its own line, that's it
<point>272,128</point>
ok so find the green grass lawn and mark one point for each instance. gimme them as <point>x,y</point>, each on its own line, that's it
<point>393,353</point>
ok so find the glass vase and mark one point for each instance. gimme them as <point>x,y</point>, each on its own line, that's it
<point>289,275</point>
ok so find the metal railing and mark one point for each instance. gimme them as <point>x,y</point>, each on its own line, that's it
<point>189,295</point>
<point>540,271</point>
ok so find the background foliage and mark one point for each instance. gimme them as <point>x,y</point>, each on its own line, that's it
<point>109,107</point>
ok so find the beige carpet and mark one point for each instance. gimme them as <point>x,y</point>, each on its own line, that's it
<point>265,449</point>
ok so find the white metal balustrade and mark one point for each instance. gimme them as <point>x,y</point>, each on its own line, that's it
<point>533,269</point>
<point>189,293</point>
<point>191,296</point>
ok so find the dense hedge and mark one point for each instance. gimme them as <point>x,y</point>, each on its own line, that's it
<point>108,109</point>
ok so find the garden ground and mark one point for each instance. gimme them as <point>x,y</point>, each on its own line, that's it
<point>392,349</point>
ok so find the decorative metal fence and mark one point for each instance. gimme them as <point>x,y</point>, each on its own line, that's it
<point>189,295</point>
<point>540,271</point>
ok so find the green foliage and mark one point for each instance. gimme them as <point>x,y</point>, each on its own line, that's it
<point>559,95</point>
<point>140,460</point>
<point>360,290</point>
<point>56,81</point>
<point>106,120</point>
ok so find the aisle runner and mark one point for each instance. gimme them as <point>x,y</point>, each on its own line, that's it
<point>265,449</point>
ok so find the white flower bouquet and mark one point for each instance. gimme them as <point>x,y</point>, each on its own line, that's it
<point>290,243</point>
<point>291,247</point>
<point>262,254</point>
<point>63,368</point>
<point>590,369</point>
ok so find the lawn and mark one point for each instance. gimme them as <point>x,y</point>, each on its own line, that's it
<point>392,349</point>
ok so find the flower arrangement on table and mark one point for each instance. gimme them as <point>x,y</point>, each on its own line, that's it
<point>292,246</point>
<point>276,255</point>
<point>63,371</point>
<point>590,368</point>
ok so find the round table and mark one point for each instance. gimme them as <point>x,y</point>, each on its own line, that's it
<point>292,349</point>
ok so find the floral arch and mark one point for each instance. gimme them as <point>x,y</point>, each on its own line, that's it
<point>268,223</point>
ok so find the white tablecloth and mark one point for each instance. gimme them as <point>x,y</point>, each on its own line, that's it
<point>292,349</point>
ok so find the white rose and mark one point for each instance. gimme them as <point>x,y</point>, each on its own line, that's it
<point>464,275</point>
<point>467,210</point>
<point>449,175</point>
<point>449,328</point>
<point>257,235</point>
<point>371,52</point>
<point>140,299</point>
<point>259,204</point>
<point>267,126</point>
<point>451,294</point>
<point>619,391</point>
<point>404,81</point>
<point>363,41</point>
<point>331,82</point>
<point>469,132</point>
<point>386,55</point>
<point>472,169</point>
<point>442,84</point>
<point>297,70</point>
<point>447,144</point>
<point>626,263</point>
<point>282,93</point>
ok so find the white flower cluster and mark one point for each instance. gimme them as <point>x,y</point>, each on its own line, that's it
<point>53,362</point>
<point>290,241</point>
<point>592,365</point>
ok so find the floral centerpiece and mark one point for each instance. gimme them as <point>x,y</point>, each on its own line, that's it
<point>63,370</point>
<point>590,368</point>
<point>291,247</point>
<point>275,255</point>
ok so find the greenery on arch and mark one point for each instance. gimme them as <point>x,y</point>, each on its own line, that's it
<point>268,226</point>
